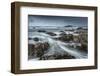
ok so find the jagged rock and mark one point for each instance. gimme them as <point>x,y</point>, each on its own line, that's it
<point>38,49</point>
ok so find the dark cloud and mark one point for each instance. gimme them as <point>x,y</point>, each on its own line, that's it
<point>39,20</point>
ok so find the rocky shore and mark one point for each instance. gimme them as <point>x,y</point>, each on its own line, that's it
<point>80,39</point>
<point>41,48</point>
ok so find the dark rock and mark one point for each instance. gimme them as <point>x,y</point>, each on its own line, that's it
<point>30,49</point>
<point>83,39</point>
<point>41,31</point>
<point>51,33</point>
<point>29,38</point>
<point>63,33</point>
<point>67,56</point>
<point>76,39</point>
<point>47,57</point>
<point>41,48</point>
<point>68,26</point>
<point>79,28</point>
<point>57,56</point>
<point>84,47</point>
<point>38,49</point>
<point>36,39</point>
<point>66,37</point>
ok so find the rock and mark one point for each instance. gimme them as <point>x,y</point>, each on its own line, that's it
<point>53,57</point>
<point>30,49</point>
<point>68,26</point>
<point>66,37</point>
<point>57,56</point>
<point>29,38</point>
<point>41,48</point>
<point>76,39</point>
<point>63,33</point>
<point>47,57</point>
<point>38,49</point>
<point>36,39</point>
<point>83,39</point>
<point>67,56</point>
<point>41,31</point>
<point>79,28</point>
<point>84,47</point>
<point>51,33</point>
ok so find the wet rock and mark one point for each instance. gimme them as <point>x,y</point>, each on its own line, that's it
<point>38,49</point>
<point>67,56</point>
<point>41,48</point>
<point>36,39</point>
<point>57,56</point>
<point>41,31</point>
<point>84,47</point>
<point>83,39</point>
<point>29,38</point>
<point>79,28</point>
<point>68,26</point>
<point>51,33</point>
<point>66,37</point>
<point>30,49</point>
<point>81,47</point>
<point>63,33</point>
<point>47,57</point>
<point>76,39</point>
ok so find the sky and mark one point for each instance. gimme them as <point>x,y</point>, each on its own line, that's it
<point>40,20</point>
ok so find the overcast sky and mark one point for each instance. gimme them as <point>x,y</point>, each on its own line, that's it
<point>36,20</point>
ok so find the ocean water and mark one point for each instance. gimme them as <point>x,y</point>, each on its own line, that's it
<point>56,46</point>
